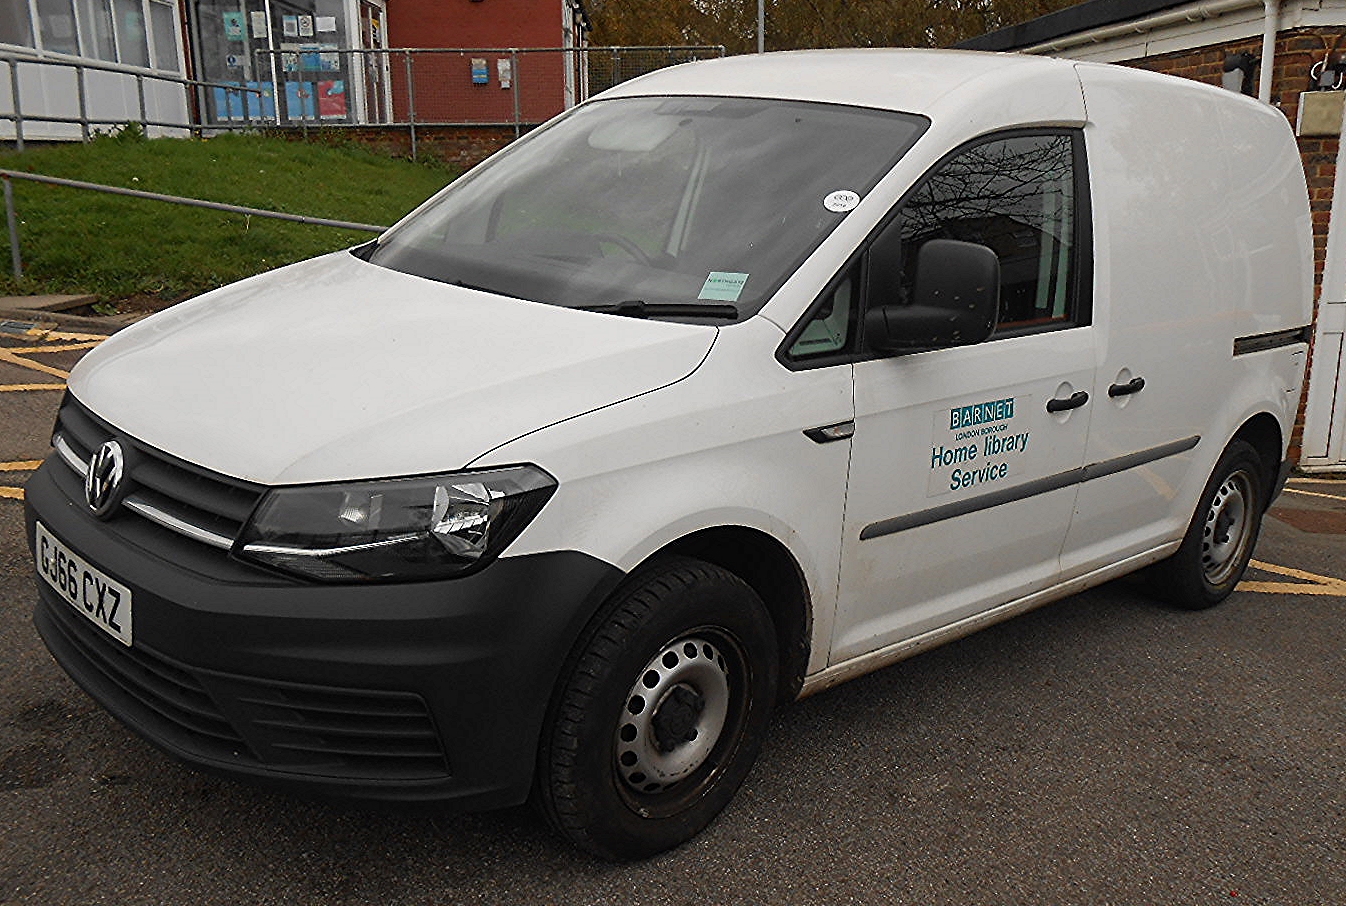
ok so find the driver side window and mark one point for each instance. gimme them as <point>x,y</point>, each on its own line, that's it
<point>1014,195</point>
<point>1018,195</point>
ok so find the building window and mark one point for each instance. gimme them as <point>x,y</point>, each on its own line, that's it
<point>56,25</point>
<point>132,46</point>
<point>114,31</point>
<point>164,25</point>
<point>96,26</point>
<point>16,23</point>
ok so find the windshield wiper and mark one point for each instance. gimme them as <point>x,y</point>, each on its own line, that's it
<point>486,289</point>
<point>639,308</point>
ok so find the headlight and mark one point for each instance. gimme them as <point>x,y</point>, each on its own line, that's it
<point>402,528</point>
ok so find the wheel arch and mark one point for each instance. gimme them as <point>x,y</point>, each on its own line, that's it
<point>770,570</point>
<point>1263,433</point>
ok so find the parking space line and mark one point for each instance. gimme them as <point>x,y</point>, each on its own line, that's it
<point>7,356</point>
<point>1310,584</point>
<point>23,465</point>
<point>1313,494</point>
<point>41,341</point>
<point>58,347</point>
<point>17,329</point>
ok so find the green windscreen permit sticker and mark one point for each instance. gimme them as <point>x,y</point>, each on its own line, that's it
<point>723,286</point>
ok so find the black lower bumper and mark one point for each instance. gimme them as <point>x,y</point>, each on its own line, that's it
<point>418,691</point>
<point>1282,476</point>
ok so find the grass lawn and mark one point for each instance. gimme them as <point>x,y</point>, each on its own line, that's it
<point>79,241</point>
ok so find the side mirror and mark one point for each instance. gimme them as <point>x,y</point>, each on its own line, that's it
<point>956,301</point>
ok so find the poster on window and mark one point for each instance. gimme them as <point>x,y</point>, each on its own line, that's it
<point>332,99</point>
<point>299,101</point>
<point>260,103</point>
<point>233,26</point>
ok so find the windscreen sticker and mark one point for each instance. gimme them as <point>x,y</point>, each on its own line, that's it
<point>841,201</point>
<point>974,448</point>
<point>723,286</point>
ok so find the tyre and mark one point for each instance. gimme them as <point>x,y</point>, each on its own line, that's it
<point>659,713</point>
<point>1219,542</point>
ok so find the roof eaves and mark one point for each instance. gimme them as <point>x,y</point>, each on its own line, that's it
<point>1081,17</point>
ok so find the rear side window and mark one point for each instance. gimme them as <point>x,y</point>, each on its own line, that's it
<point>1015,195</point>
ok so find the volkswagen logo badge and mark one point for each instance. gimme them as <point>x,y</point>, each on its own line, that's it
<point>104,478</point>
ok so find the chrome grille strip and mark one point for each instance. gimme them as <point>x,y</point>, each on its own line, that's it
<point>138,504</point>
<point>70,456</point>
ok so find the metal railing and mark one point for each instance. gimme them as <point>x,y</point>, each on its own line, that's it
<point>11,216</point>
<point>87,120</point>
<point>516,87</point>
<point>414,87</point>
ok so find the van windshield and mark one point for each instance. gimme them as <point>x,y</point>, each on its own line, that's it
<point>682,207</point>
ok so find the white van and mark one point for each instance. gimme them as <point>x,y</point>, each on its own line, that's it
<point>740,380</point>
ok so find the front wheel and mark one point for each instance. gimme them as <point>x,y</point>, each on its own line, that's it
<point>660,713</point>
<point>1219,542</point>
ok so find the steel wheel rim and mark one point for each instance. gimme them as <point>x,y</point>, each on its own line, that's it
<point>1227,531</point>
<point>674,715</point>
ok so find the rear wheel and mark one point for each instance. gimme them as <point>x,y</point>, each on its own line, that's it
<point>660,713</point>
<point>1220,539</point>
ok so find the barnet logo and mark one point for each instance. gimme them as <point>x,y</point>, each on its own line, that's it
<point>981,413</point>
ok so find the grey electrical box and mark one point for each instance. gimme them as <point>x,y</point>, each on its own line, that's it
<point>1320,113</point>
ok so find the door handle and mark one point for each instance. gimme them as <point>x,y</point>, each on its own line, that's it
<point>1074,401</point>
<point>1135,385</point>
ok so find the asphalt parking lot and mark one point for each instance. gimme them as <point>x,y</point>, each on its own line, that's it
<point>1103,750</point>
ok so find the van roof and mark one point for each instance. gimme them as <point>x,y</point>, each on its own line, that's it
<point>906,79</point>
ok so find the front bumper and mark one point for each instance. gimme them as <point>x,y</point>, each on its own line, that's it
<point>416,691</point>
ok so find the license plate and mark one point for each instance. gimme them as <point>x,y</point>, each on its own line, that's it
<point>104,601</point>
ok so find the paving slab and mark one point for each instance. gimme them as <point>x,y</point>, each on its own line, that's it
<point>46,302</point>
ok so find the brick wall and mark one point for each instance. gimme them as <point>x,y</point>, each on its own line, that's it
<point>1296,52</point>
<point>460,146</point>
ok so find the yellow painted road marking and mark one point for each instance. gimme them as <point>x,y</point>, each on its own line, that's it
<point>53,341</point>
<point>7,356</point>
<point>26,465</point>
<point>44,334</point>
<point>67,335</point>
<point>1313,494</point>
<point>59,347</point>
<point>1318,481</point>
<point>1311,583</point>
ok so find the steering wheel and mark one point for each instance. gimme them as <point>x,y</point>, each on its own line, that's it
<point>626,245</point>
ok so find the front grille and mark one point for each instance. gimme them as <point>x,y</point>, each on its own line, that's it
<point>203,506</point>
<point>180,512</point>
<point>247,722</point>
